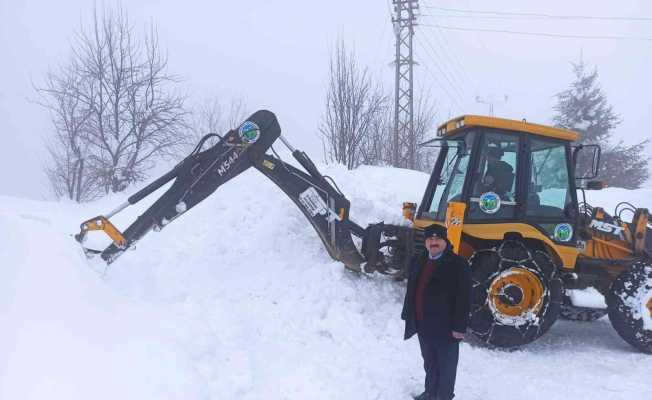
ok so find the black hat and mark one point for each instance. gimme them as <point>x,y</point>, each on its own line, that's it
<point>435,230</point>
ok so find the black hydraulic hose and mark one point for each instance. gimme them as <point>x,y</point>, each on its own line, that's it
<point>306,162</point>
<point>203,140</point>
<point>309,166</point>
<point>332,181</point>
<point>147,190</point>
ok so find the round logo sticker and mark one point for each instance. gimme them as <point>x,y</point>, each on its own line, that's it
<point>489,202</point>
<point>563,232</point>
<point>249,132</point>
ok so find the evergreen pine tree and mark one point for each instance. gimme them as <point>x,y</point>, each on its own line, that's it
<point>584,108</point>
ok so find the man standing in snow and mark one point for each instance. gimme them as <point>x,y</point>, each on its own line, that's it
<point>436,308</point>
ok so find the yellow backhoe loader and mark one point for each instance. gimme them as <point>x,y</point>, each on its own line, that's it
<point>507,191</point>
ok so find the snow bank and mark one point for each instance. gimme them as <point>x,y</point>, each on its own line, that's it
<point>238,300</point>
<point>65,333</point>
<point>589,297</point>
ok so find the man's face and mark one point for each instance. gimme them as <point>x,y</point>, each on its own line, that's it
<point>435,245</point>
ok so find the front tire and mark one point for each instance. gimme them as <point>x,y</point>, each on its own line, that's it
<point>630,305</point>
<point>517,294</point>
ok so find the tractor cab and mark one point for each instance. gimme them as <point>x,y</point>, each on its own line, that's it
<point>504,172</point>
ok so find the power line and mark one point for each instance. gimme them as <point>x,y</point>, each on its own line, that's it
<point>454,100</point>
<point>478,39</point>
<point>454,95</point>
<point>434,56</point>
<point>542,34</point>
<point>489,17</point>
<point>458,66</point>
<point>454,68</point>
<point>379,49</point>
<point>542,15</point>
<point>438,59</point>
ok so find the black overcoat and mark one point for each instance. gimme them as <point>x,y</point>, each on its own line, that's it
<point>447,298</point>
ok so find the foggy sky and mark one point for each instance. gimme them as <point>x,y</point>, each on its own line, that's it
<point>274,54</point>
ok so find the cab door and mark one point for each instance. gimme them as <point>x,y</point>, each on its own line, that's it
<point>449,177</point>
<point>551,203</point>
<point>493,192</point>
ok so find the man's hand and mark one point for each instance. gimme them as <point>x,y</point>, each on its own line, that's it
<point>458,335</point>
<point>488,180</point>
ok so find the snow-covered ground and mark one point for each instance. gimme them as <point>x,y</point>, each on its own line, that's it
<point>238,300</point>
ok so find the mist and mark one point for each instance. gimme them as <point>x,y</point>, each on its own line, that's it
<point>275,55</point>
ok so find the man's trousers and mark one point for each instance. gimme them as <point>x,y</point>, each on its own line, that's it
<point>440,363</point>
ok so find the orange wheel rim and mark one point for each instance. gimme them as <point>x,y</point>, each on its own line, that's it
<point>515,292</point>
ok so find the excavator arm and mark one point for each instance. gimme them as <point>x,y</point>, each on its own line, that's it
<point>384,248</point>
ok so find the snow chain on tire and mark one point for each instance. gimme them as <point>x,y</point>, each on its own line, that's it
<point>517,294</point>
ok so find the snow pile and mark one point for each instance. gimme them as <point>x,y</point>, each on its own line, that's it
<point>238,300</point>
<point>589,297</point>
<point>65,333</point>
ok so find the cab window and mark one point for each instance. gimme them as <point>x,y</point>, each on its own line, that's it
<point>452,176</point>
<point>494,186</point>
<point>548,193</point>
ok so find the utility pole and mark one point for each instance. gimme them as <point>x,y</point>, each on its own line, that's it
<point>404,20</point>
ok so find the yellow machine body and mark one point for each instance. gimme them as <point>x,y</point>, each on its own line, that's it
<point>466,235</point>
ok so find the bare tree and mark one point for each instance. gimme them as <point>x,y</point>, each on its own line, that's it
<point>425,114</point>
<point>67,169</point>
<point>129,114</point>
<point>213,116</point>
<point>375,148</point>
<point>378,147</point>
<point>238,111</point>
<point>353,104</point>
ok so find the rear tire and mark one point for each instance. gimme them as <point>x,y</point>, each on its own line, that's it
<point>630,305</point>
<point>517,294</point>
